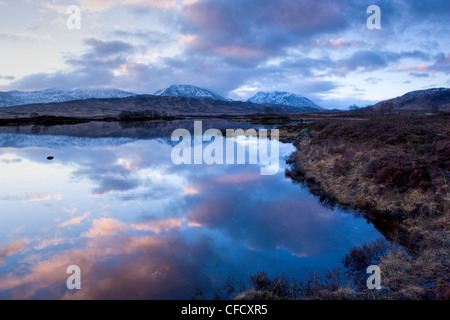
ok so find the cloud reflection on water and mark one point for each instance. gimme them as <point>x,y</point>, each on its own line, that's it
<point>140,227</point>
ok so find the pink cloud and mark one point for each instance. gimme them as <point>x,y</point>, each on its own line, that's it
<point>105,227</point>
<point>75,220</point>
<point>337,43</point>
<point>158,226</point>
<point>239,178</point>
<point>144,268</point>
<point>49,242</point>
<point>239,52</point>
<point>103,5</point>
<point>418,68</point>
<point>190,190</point>
<point>12,248</point>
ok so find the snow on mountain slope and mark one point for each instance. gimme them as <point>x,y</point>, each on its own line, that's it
<point>18,98</point>
<point>189,92</point>
<point>283,98</point>
<point>431,91</point>
<point>422,100</point>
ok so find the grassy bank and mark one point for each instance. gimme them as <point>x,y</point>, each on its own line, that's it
<point>397,169</point>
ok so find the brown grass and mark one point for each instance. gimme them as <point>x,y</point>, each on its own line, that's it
<point>398,170</point>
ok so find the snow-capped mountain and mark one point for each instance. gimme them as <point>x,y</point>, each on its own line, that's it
<point>283,98</point>
<point>18,98</point>
<point>189,92</point>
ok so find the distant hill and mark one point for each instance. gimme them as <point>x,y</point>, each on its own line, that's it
<point>189,91</point>
<point>176,106</point>
<point>421,100</point>
<point>283,98</point>
<point>18,98</point>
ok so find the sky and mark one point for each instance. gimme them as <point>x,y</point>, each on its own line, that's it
<point>320,49</point>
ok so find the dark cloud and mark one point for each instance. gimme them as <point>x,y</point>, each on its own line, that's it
<point>306,66</point>
<point>370,60</point>
<point>442,63</point>
<point>317,86</point>
<point>372,80</point>
<point>150,37</point>
<point>426,11</point>
<point>102,48</point>
<point>2,77</point>
<point>248,32</point>
<point>419,75</point>
<point>367,60</point>
<point>94,68</point>
<point>79,78</point>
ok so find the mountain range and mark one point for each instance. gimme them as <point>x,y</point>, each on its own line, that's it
<point>426,100</point>
<point>18,98</point>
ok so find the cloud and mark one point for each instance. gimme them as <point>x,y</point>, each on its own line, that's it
<point>419,75</point>
<point>149,36</point>
<point>144,267</point>
<point>12,248</point>
<point>55,7</point>
<point>442,64</point>
<point>303,46</point>
<point>157,226</point>
<point>110,226</point>
<point>49,242</point>
<point>367,60</point>
<point>338,43</point>
<point>20,36</point>
<point>248,32</point>
<point>33,198</point>
<point>75,220</point>
<point>104,5</point>
<point>101,48</point>
<point>2,77</point>
<point>78,78</point>
<point>94,68</point>
<point>105,227</point>
<point>215,232</point>
<point>111,184</point>
<point>373,60</point>
<point>268,220</point>
<point>426,10</point>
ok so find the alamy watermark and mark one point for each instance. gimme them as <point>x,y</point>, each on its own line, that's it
<point>223,151</point>
<point>74,281</point>
<point>374,21</point>
<point>73,22</point>
<point>374,280</point>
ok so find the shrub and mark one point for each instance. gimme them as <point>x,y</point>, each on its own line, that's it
<point>359,258</point>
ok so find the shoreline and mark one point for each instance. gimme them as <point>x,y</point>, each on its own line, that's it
<point>395,169</point>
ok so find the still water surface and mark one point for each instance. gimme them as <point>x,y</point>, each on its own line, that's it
<point>140,227</point>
